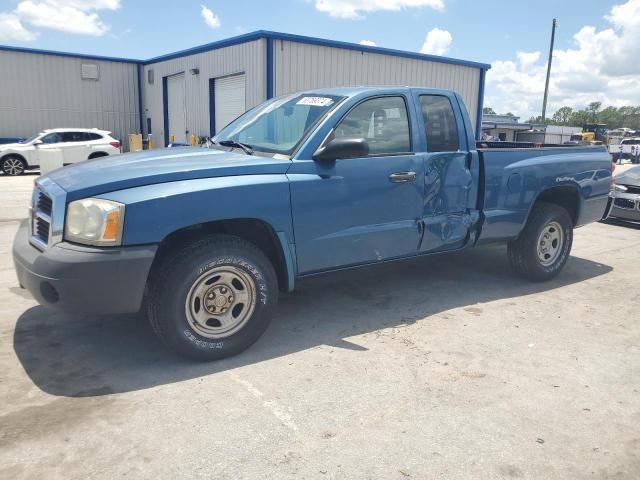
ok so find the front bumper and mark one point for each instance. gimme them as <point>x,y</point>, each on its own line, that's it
<point>81,279</point>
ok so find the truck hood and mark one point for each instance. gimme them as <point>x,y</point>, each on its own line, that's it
<point>119,172</point>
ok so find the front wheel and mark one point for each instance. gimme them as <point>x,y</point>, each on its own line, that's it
<point>544,245</point>
<point>13,166</point>
<point>213,298</point>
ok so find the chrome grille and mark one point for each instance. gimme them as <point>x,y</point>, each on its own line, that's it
<point>47,214</point>
<point>41,212</point>
<point>41,230</point>
<point>44,204</point>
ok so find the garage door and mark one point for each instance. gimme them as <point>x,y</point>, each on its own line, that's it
<point>176,107</point>
<point>229,99</point>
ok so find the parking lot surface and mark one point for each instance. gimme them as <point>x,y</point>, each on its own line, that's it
<point>446,367</point>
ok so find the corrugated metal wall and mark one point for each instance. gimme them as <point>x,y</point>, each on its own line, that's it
<point>300,66</point>
<point>39,91</point>
<point>248,58</point>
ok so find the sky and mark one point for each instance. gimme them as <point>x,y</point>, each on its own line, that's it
<point>595,57</point>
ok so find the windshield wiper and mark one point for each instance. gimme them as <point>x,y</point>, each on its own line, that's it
<point>232,143</point>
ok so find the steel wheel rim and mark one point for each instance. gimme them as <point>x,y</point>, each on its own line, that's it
<point>13,166</point>
<point>220,302</point>
<point>550,243</point>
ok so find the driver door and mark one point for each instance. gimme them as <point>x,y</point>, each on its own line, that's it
<point>360,210</point>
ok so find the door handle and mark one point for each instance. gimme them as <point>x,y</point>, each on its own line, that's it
<point>402,177</point>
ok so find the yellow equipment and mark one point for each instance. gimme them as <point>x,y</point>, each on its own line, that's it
<point>593,133</point>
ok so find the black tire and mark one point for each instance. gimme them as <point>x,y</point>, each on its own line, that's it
<point>523,252</point>
<point>9,165</point>
<point>181,269</point>
<point>98,155</point>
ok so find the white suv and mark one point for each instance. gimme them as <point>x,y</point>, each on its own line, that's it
<point>73,144</point>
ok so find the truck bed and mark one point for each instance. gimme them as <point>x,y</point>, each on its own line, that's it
<point>516,173</point>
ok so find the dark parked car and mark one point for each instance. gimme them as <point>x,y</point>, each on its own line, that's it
<point>626,195</point>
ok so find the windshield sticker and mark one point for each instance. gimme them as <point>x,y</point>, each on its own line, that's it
<point>315,101</point>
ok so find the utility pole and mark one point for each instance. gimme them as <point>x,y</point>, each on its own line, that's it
<point>546,84</point>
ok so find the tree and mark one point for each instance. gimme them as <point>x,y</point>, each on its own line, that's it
<point>593,109</point>
<point>488,111</point>
<point>580,118</point>
<point>539,121</point>
<point>563,116</point>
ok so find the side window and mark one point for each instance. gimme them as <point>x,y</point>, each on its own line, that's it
<point>52,138</point>
<point>382,122</point>
<point>440,123</point>
<point>94,136</point>
<point>74,137</point>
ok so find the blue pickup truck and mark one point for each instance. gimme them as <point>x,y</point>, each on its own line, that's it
<point>203,240</point>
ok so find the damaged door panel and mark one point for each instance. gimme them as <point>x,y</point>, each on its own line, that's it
<point>449,213</point>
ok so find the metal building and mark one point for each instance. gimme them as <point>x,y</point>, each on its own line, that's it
<point>42,89</point>
<point>198,91</point>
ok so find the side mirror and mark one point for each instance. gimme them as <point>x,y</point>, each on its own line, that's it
<point>37,142</point>
<point>341,148</point>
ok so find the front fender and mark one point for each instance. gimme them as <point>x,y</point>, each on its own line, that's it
<point>154,211</point>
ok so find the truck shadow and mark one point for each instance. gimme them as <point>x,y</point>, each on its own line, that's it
<point>78,356</point>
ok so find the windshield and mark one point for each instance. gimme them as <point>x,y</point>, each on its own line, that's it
<point>278,125</point>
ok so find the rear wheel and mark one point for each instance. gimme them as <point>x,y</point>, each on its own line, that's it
<point>213,298</point>
<point>13,166</point>
<point>544,245</point>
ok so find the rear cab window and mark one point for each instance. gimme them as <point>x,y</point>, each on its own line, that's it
<point>440,123</point>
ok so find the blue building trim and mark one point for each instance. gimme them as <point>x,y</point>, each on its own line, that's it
<point>140,70</point>
<point>212,107</point>
<point>269,68</point>
<point>483,73</point>
<point>165,110</point>
<point>8,48</point>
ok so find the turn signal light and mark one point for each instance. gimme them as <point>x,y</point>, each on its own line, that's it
<point>112,226</point>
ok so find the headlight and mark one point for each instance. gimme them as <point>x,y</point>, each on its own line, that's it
<point>619,188</point>
<point>94,221</point>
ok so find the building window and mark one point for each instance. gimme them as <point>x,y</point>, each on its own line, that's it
<point>90,71</point>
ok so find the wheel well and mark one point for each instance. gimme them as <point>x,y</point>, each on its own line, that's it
<point>566,197</point>
<point>98,154</point>
<point>258,232</point>
<point>17,155</point>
